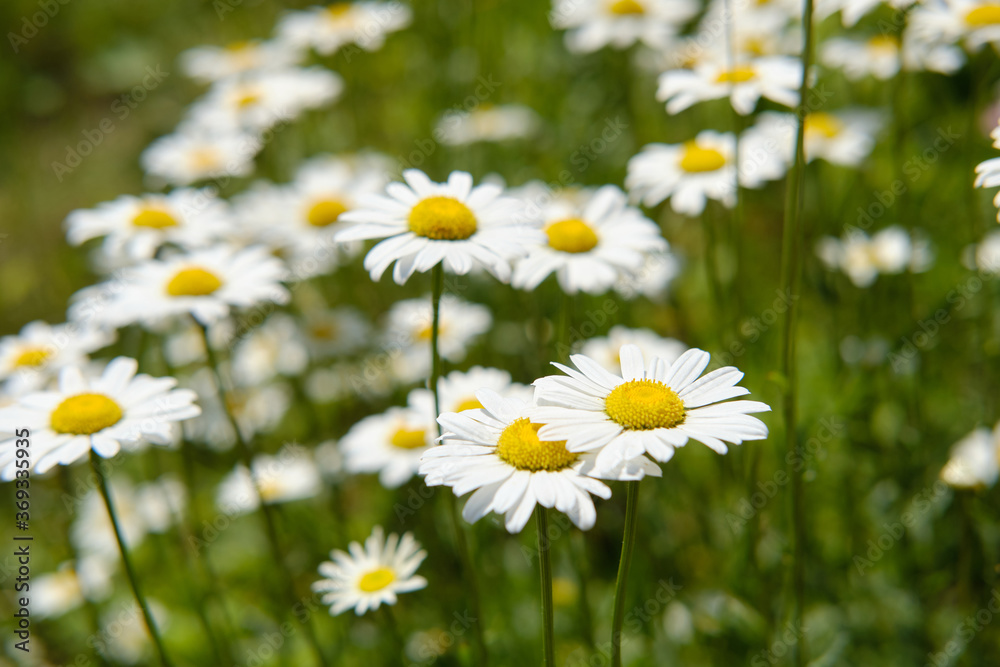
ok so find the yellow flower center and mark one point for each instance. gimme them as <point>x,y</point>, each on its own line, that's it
<point>696,159</point>
<point>325,212</point>
<point>470,403</point>
<point>885,43</point>
<point>376,580</point>
<point>823,124</point>
<point>193,281</point>
<point>442,218</point>
<point>572,235</point>
<point>155,218</point>
<point>409,439</point>
<point>85,414</point>
<point>520,447</point>
<point>236,47</point>
<point>248,99</point>
<point>627,8</point>
<point>32,357</point>
<point>641,405</point>
<point>740,74</point>
<point>205,158</point>
<point>324,331</point>
<point>269,488</point>
<point>338,9</point>
<point>984,15</point>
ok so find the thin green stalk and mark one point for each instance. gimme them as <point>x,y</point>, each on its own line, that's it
<point>437,288</point>
<point>545,572</point>
<point>95,462</point>
<point>397,638</point>
<point>628,545</point>
<point>790,259</point>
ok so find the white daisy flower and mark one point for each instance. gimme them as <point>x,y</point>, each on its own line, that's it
<point>56,593</point>
<point>594,24</point>
<point>372,575</point>
<point>975,460</point>
<point>104,413</point>
<point>844,138</point>
<point>921,55</point>
<point>30,359</point>
<point>291,475</point>
<point>327,29</point>
<point>407,338</point>
<point>852,10</point>
<point>650,409</point>
<point>336,332</point>
<point>206,284</point>
<point>988,174</point>
<point>195,154</point>
<point>652,279</point>
<point>275,348</point>
<point>426,223</point>
<point>974,23</point>
<point>134,228</point>
<point>457,390</point>
<point>754,28</point>
<point>498,452</point>
<point>213,63</point>
<point>890,251</point>
<point>590,246</point>
<point>390,444</point>
<point>776,78</point>
<point>878,56</point>
<point>487,123</point>
<point>260,100</point>
<point>986,255</point>
<point>256,409</point>
<point>605,349</point>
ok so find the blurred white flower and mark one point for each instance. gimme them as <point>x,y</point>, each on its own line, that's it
<point>336,332</point>
<point>890,251</point>
<point>594,24</point>
<point>487,123</point>
<point>878,56</point>
<point>275,348</point>
<point>457,390</point>
<point>55,593</point>
<point>291,475</point>
<point>327,29</point>
<point>776,78</point>
<point>256,410</point>
<point>213,63</point>
<point>605,349</point>
<point>975,460</point>
<point>652,279</point>
<point>32,358</point>
<point>974,23</point>
<point>986,255</point>
<point>389,444</point>
<point>194,154</point>
<point>844,138</point>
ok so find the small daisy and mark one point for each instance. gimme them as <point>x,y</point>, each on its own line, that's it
<point>485,123</point>
<point>327,29</point>
<point>336,332</point>
<point>890,251</point>
<point>974,23</point>
<point>372,575</point>
<point>650,409</point>
<point>652,279</point>
<point>213,63</point>
<point>104,413</point>
<point>66,589</point>
<point>590,246</point>
<point>878,56</point>
<point>275,348</point>
<point>33,357</point>
<point>390,444</point>
<point>457,390</point>
<point>852,10</point>
<point>844,138</point>
<point>776,78</point>
<point>594,24</point>
<point>426,223</point>
<point>988,174</point>
<point>206,284</point>
<point>196,154</point>
<point>605,350</point>
<point>754,28</point>
<point>986,255</point>
<point>975,460</point>
<point>256,409</point>
<point>499,452</point>
<point>134,228</point>
<point>291,475</point>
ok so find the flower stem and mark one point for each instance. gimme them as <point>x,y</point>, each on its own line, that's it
<point>628,545</point>
<point>437,287</point>
<point>545,571</point>
<point>95,463</point>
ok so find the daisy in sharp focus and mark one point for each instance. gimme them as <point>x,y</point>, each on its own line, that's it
<point>371,575</point>
<point>390,444</point>
<point>776,78</point>
<point>195,153</point>
<point>326,29</point>
<point>213,63</point>
<point>594,24</point>
<point>975,460</point>
<point>498,452</point>
<point>650,409</point>
<point>33,357</point>
<point>426,223</point>
<point>103,413</point>
<point>591,245</point>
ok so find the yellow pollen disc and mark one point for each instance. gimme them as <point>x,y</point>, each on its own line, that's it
<point>696,159</point>
<point>155,218</point>
<point>324,331</point>
<point>755,46</point>
<point>572,235</point>
<point>325,212</point>
<point>641,405</point>
<point>442,218</point>
<point>470,403</point>
<point>338,9</point>
<point>32,357</point>
<point>85,414</point>
<point>409,439</point>
<point>376,580</point>
<point>823,124</point>
<point>239,46</point>
<point>984,15</point>
<point>627,8</point>
<point>520,447</point>
<point>247,99</point>
<point>193,281</point>
<point>884,43</point>
<point>736,75</point>
<point>205,158</point>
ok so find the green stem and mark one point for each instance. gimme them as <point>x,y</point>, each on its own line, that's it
<point>437,288</point>
<point>545,572</point>
<point>628,545</point>
<point>95,462</point>
<point>397,638</point>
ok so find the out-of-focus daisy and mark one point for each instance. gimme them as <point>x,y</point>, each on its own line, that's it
<point>498,452</point>
<point>55,593</point>
<point>988,174</point>
<point>390,444</point>
<point>207,284</point>
<point>292,475</point>
<point>878,56</point>
<point>185,342</point>
<point>650,409</point>
<point>921,55</point>
<point>605,349</point>
<point>594,24</point>
<point>852,10</point>
<point>457,390</point>
<point>326,29</point>
<point>985,256</point>
<point>105,413</point>
<point>975,460</point>
<point>407,337</point>
<point>196,154</point>
<point>256,409</point>
<point>863,258</point>
<point>974,23</point>
<point>426,223</point>
<point>260,100</point>
<point>591,245</point>
<point>274,348</point>
<point>486,123</point>
<point>844,138</point>
<point>372,575</point>
<point>652,279</point>
<point>212,63</point>
<point>135,227</point>
<point>34,356</point>
<point>776,78</point>
<point>752,28</point>
<point>335,332</point>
